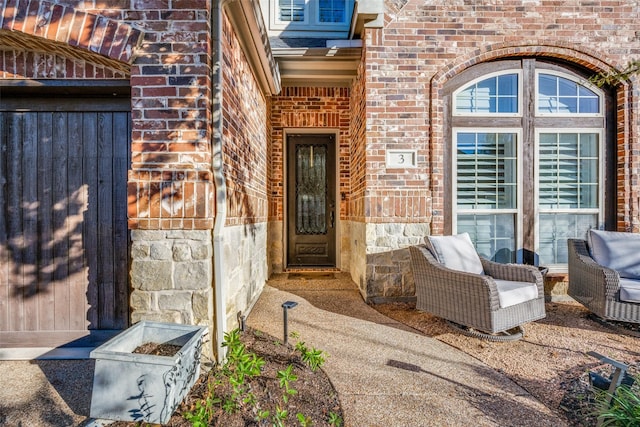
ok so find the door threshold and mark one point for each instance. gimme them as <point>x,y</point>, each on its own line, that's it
<point>311,270</point>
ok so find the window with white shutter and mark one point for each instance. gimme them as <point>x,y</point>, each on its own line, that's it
<point>527,153</point>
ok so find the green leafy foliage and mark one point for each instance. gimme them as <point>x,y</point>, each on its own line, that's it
<point>242,364</point>
<point>622,408</point>
<point>304,421</point>
<point>335,420</point>
<point>313,357</point>
<point>285,378</point>
<point>204,409</point>
<point>612,78</point>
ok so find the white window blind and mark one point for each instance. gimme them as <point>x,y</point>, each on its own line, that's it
<point>291,10</point>
<point>487,182</point>
<point>568,188</point>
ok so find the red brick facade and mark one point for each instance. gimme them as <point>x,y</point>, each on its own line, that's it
<point>245,136</point>
<point>424,45</point>
<point>164,49</point>
<point>317,108</point>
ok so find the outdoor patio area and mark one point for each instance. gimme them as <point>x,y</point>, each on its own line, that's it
<point>538,380</point>
<point>550,362</point>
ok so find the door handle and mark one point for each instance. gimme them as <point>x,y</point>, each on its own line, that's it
<point>331,218</point>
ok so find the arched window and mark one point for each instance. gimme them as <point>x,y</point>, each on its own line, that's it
<point>527,149</point>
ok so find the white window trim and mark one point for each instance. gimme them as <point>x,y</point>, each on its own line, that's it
<point>536,176</point>
<point>581,82</point>
<point>519,241</point>
<point>516,71</point>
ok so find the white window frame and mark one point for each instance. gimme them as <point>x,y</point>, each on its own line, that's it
<point>311,20</point>
<point>581,82</point>
<point>519,177</point>
<point>599,211</point>
<point>454,97</point>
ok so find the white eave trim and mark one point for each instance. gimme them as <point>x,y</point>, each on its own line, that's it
<point>366,14</point>
<point>246,19</point>
<point>331,66</point>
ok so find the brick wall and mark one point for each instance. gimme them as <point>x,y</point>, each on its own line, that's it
<point>245,136</point>
<point>245,154</point>
<point>407,63</point>
<point>423,45</point>
<point>358,130</point>
<point>320,108</point>
<point>170,178</point>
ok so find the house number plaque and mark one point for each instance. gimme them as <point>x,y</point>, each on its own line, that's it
<point>401,158</point>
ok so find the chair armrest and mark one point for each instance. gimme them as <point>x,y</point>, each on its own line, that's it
<point>429,273</point>
<point>514,272</point>
<point>588,273</point>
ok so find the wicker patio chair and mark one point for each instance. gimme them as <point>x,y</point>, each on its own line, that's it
<point>471,299</point>
<point>598,287</point>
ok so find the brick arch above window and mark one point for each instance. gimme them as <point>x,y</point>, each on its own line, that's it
<point>71,32</point>
<point>579,56</point>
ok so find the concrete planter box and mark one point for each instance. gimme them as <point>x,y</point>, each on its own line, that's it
<point>138,387</point>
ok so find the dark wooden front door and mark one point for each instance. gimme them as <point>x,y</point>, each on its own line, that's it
<point>63,218</point>
<point>311,204</point>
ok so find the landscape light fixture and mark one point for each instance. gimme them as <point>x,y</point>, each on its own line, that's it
<point>285,308</point>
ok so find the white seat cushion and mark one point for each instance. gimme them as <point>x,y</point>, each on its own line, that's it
<point>456,252</point>
<point>512,293</point>
<point>629,290</point>
<point>617,251</point>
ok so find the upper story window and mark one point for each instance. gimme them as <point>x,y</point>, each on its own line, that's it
<point>310,18</point>
<point>560,95</point>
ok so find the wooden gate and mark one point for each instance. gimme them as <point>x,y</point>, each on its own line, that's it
<point>63,218</point>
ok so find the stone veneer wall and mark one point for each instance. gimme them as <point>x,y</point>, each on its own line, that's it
<point>388,269</point>
<point>171,276</point>
<point>246,269</point>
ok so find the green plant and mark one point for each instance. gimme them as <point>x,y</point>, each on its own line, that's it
<point>335,420</point>
<point>304,421</point>
<point>620,409</point>
<point>601,79</point>
<point>285,377</point>
<point>240,365</point>
<point>204,409</point>
<point>314,358</point>
<point>280,417</point>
